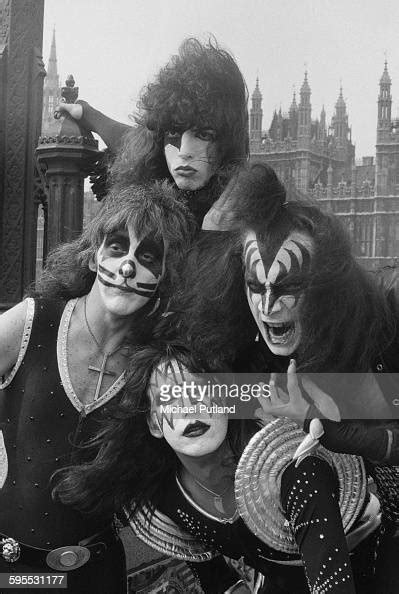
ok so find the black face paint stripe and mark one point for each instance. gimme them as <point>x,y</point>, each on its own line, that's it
<point>106,272</point>
<point>283,271</point>
<point>173,141</point>
<point>157,250</point>
<point>126,288</point>
<point>250,249</point>
<point>306,257</point>
<point>149,286</point>
<point>143,293</point>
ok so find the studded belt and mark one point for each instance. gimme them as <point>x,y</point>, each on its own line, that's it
<point>65,558</point>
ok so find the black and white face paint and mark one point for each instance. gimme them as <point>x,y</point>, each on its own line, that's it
<point>193,434</point>
<point>191,156</point>
<point>274,290</point>
<point>129,269</point>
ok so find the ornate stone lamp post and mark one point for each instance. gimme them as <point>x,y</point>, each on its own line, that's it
<point>66,159</point>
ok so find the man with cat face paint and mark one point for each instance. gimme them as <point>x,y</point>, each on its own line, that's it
<point>63,355</point>
<point>128,270</point>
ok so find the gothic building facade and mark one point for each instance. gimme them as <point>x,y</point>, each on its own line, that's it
<point>319,160</point>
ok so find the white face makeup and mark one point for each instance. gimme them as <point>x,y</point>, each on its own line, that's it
<point>275,302</point>
<point>195,434</point>
<point>191,157</point>
<point>128,270</point>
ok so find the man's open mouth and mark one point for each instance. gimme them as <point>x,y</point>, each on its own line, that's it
<point>196,429</point>
<point>280,333</point>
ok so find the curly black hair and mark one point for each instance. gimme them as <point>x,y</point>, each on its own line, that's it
<point>200,87</point>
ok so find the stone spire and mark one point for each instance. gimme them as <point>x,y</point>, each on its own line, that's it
<point>305,112</point>
<point>339,122</point>
<point>323,126</point>
<point>385,78</point>
<point>305,91</point>
<point>384,106</point>
<point>340,105</point>
<point>255,114</point>
<point>51,92</point>
<point>293,106</point>
<point>52,77</point>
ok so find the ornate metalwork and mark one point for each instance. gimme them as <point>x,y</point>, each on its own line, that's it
<point>70,93</point>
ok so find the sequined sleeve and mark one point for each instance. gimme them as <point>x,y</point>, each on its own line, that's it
<point>309,496</point>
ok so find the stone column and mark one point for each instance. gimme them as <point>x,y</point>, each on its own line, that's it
<point>21,91</point>
<point>66,159</point>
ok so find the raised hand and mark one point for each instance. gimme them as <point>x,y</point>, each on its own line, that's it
<point>75,110</point>
<point>294,405</point>
<point>220,216</point>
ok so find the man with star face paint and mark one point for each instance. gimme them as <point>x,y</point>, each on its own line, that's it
<point>191,128</point>
<point>180,486</point>
<point>63,357</point>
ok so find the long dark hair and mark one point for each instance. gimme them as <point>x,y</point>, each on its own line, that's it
<point>152,207</point>
<point>130,465</point>
<point>345,316</point>
<point>200,87</point>
<point>218,321</point>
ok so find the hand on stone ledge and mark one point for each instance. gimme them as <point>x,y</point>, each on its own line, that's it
<point>75,110</point>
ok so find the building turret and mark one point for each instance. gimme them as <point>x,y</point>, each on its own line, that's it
<point>323,126</point>
<point>293,119</point>
<point>339,122</point>
<point>51,92</point>
<point>384,107</point>
<point>304,113</point>
<point>255,114</point>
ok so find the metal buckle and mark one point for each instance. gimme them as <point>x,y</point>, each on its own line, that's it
<point>11,551</point>
<point>68,558</point>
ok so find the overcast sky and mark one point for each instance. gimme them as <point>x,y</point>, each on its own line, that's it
<point>113,47</point>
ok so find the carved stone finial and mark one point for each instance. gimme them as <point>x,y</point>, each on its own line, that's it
<point>70,93</point>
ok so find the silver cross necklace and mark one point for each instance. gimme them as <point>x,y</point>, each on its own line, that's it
<point>102,369</point>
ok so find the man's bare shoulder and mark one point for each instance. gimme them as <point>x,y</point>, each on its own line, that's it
<point>12,324</point>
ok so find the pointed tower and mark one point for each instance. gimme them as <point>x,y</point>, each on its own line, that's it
<point>51,92</point>
<point>323,126</point>
<point>304,114</point>
<point>255,115</point>
<point>293,119</point>
<point>383,147</point>
<point>384,106</point>
<point>339,122</point>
